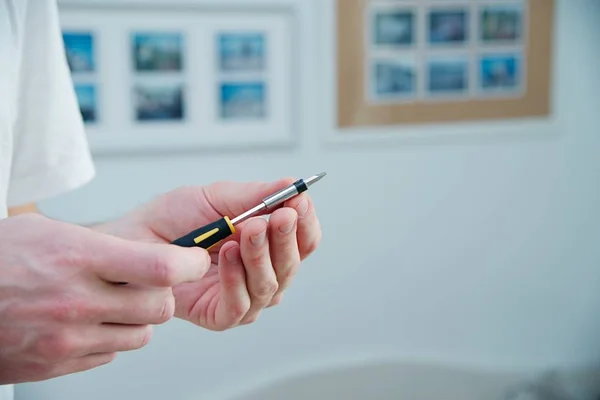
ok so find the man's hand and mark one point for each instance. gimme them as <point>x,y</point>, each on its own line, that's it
<point>61,309</point>
<point>251,269</point>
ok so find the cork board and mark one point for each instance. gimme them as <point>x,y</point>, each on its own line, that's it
<point>520,42</point>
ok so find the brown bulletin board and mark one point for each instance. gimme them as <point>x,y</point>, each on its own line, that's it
<point>355,109</point>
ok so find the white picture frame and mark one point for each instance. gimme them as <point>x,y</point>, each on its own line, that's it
<point>199,124</point>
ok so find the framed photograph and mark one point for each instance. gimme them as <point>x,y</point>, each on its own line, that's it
<point>448,76</point>
<point>192,75</point>
<point>448,26</point>
<point>157,51</point>
<point>502,23</point>
<point>80,51</point>
<point>393,27</point>
<point>159,102</point>
<point>394,79</point>
<point>500,73</point>
<point>242,51</point>
<point>427,62</point>
<point>243,100</point>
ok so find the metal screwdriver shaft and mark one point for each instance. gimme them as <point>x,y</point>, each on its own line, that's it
<point>279,197</point>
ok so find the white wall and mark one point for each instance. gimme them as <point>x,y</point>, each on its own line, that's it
<point>483,251</point>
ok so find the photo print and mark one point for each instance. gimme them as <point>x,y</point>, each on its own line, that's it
<point>79,49</point>
<point>448,26</point>
<point>159,102</point>
<point>500,72</point>
<point>448,75</point>
<point>157,52</point>
<point>242,51</point>
<point>502,23</point>
<point>394,79</point>
<point>86,97</point>
<point>243,100</point>
<point>393,27</point>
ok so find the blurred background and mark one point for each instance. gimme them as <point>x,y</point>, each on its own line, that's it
<point>477,253</point>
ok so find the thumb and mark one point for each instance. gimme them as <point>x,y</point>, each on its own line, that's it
<point>233,198</point>
<point>148,264</point>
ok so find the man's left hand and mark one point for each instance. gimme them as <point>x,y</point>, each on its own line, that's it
<point>251,269</point>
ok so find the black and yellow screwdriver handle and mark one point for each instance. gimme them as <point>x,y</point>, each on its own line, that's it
<point>207,236</point>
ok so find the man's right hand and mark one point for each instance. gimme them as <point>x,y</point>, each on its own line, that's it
<point>61,308</point>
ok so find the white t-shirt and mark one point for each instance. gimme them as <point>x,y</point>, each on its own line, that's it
<point>43,146</point>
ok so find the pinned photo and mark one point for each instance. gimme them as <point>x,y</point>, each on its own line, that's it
<point>158,102</point>
<point>448,26</point>
<point>500,72</point>
<point>242,51</point>
<point>501,23</point>
<point>394,78</point>
<point>79,49</point>
<point>448,75</point>
<point>245,100</point>
<point>86,97</point>
<point>394,27</point>
<point>158,51</point>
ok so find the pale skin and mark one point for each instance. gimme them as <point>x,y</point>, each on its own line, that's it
<point>61,311</point>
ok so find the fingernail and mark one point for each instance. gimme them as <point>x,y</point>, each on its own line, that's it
<point>287,228</point>
<point>302,207</point>
<point>258,240</point>
<point>233,255</point>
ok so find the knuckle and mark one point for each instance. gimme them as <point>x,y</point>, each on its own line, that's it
<point>257,260</point>
<point>167,310</point>
<point>145,337</point>
<point>67,310</point>
<point>165,272</point>
<point>70,256</point>
<point>141,339</point>
<point>237,310</point>
<point>266,289</point>
<point>54,347</point>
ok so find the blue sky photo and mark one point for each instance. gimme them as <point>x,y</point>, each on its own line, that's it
<point>79,47</point>
<point>243,99</point>
<point>499,71</point>
<point>242,91</point>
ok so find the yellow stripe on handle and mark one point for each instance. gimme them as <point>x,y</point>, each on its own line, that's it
<point>207,236</point>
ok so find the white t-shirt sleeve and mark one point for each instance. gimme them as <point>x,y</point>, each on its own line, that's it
<point>51,153</point>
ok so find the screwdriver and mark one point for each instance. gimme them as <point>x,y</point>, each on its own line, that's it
<point>211,234</point>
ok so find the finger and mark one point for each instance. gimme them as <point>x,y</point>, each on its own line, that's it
<point>81,364</point>
<point>103,338</point>
<point>61,346</point>
<point>260,276</point>
<point>235,300</point>
<point>132,305</point>
<point>283,245</point>
<point>148,264</point>
<point>309,229</point>
<point>112,338</point>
